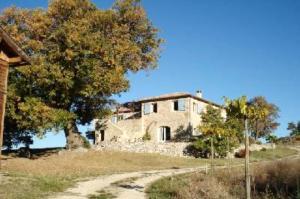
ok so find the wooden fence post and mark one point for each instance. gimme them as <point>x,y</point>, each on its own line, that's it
<point>247,158</point>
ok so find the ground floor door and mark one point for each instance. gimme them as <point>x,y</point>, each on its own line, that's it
<point>164,133</point>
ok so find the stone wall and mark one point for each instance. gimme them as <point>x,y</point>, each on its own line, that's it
<point>255,147</point>
<point>165,117</point>
<point>168,148</point>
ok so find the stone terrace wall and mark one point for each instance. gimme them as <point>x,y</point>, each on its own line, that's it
<point>169,148</point>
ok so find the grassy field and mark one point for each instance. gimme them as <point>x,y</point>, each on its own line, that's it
<point>269,180</point>
<point>279,152</point>
<point>30,179</point>
<point>53,172</point>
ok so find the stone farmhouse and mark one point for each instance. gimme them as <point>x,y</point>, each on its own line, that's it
<point>157,119</point>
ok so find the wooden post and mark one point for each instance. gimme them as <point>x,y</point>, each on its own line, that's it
<point>211,156</point>
<point>247,158</point>
<point>228,153</point>
<point>3,90</point>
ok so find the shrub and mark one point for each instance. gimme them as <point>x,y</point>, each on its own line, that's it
<point>203,145</point>
<point>147,136</point>
<point>263,149</point>
<point>86,143</point>
<point>241,153</point>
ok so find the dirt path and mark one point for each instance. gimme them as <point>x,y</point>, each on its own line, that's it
<point>127,185</point>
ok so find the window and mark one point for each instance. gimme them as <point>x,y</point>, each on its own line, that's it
<point>164,133</point>
<point>154,107</point>
<point>114,119</point>
<point>120,117</point>
<point>150,108</point>
<point>199,109</point>
<point>117,118</point>
<point>147,109</point>
<point>102,135</point>
<point>179,105</point>
<point>195,107</point>
<point>175,105</point>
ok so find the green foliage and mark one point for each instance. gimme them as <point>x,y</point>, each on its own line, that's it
<point>220,146</point>
<point>224,133</point>
<point>261,114</point>
<point>102,195</point>
<point>272,139</point>
<point>212,122</point>
<point>80,58</point>
<point>86,143</point>
<point>265,123</point>
<point>147,136</point>
<point>294,129</point>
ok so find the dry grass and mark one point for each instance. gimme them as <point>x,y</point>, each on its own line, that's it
<point>272,154</point>
<point>276,180</point>
<point>188,186</point>
<point>84,164</point>
<point>38,178</point>
<point>30,179</point>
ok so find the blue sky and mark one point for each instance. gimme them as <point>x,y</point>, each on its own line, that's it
<point>224,48</point>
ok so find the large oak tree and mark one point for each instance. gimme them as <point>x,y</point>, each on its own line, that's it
<point>81,57</point>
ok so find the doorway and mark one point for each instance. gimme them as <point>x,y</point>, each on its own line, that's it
<point>164,134</point>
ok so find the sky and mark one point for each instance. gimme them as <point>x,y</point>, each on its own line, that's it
<point>224,48</point>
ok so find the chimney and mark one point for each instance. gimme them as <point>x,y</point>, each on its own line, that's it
<point>199,94</point>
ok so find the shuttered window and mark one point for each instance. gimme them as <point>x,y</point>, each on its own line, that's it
<point>147,108</point>
<point>114,119</point>
<point>181,104</point>
<point>199,109</point>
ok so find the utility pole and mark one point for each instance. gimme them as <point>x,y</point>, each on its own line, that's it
<point>247,167</point>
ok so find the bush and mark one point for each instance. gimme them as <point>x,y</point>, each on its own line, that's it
<point>241,153</point>
<point>203,145</point>
<point>147,136</point>
<point>86,143</point>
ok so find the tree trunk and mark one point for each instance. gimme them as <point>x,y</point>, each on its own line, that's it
<point>73,137</point>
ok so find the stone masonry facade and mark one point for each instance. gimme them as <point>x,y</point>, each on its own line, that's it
<point>156,124</point>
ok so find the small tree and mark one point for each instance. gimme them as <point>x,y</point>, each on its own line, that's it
<point>239,109</point>
<point>264,115</point>
<point>272,139</point>
<point>294,129</point>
